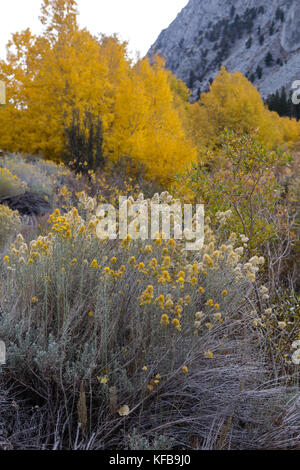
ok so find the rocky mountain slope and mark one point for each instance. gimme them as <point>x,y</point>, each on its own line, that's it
<point>260,38</point>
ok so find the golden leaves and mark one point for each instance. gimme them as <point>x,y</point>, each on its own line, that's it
<point>234,103</point>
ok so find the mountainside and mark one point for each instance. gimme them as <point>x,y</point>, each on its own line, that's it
<point>260,38</point>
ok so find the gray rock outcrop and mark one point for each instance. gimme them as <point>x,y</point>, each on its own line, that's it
<point>260,38</point>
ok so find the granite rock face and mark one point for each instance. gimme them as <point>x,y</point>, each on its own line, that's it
<point>260,38</point>
<point>290,40</point>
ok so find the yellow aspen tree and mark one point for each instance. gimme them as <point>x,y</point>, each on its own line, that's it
<point>67,69</point>
<point>234,103</point>
<point>49,76</point>
<point>147,126</point>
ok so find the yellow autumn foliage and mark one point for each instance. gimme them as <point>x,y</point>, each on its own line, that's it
<point>234,103</point>
<point>67,68</point>
<point>147,126</point>
<point>144,109</point>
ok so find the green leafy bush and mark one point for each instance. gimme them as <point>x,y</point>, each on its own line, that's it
<point>240,177</point>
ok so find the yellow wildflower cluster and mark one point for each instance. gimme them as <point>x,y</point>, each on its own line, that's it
<point>147,296</point>
<point>164,277</point>
<point>153,263</point>
<point>160,300</point>
<point>9,222</point>
<point>164,321</point>
<point>154,383</point>
<point>68,225</point>
<point>126,242</point>
<point>94,264</point>
<point>22,252</point>
<point>159,285</point>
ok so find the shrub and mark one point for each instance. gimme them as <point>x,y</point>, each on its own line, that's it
<point>240,177</point>
<point>282,325</point>
<point>9,223</point>
<point>10,185</point>
<point>29,172</point>
<point>84,150</point>
<point>110,339</point>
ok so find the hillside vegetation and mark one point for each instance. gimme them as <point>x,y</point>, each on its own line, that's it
<point>143,109</point>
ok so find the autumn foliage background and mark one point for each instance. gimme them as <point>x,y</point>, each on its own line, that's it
<point>132,344</point>
<point>144,110</point>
